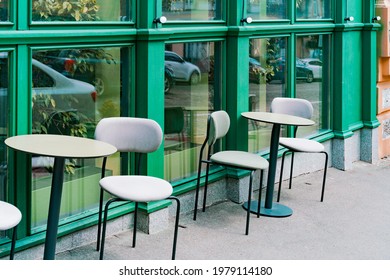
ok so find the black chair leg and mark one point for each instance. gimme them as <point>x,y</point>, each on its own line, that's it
<point>281,176</point>
<point>100,220</point>
<point>176,226</point>
<point>260,189</point>
<point>105,225</point>
<point>135,224</point>
<point>324,179</point>
<point>248,212</point>
<point>291,169</point>
<point>205,187</point>
<point>197,192</point>
<point>13,243</point>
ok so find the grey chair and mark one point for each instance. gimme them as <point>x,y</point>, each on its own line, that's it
<point>217,127</point>
<point>140,136</point>
<point>300,108</point>
<point>10,217</point>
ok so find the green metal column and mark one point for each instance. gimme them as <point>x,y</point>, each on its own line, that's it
<point>347,68</point>
<point>369,66</point>
<point>237,78</point>
<point>22,14</point>
<point>20,168</point>
<point>149,78</point>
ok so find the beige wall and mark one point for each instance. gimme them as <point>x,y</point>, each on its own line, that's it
<point>383,85</point>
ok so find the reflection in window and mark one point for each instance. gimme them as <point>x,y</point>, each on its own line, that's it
<point>195,70</point>
<point>72,90</point>
<point>267,80</point>
<point>191,9</point>
<point>267,10</point>
<point>313,57</point>
<point>4,10</point>
<point>81,10</point>
<point>4,70</point>
<point>313,9</point>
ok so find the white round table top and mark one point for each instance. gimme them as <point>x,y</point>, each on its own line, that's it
<point>60,146</point>
<point>275,118</point>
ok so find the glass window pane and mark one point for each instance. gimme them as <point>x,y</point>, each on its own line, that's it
<point>72,90</point>
<point>267,80</point>
<point>267,10</point>
<point>313,9</point>
<point>4,10</point>
<point>193,68</point>
<point>81,10</point>
<point>312,61</point>
<point>4,78</point>
<point>191,9</point>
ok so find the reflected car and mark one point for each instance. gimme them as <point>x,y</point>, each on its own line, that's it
<point>184,71</point>
<point>302,71</point>
<point>69,94</point>
<point>256,71</point>
<point>315,65</point>
<point>78,64</point>
<point>169,79</point>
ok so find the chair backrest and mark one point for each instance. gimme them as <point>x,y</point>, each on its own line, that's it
<point>219,123</point>
<point>292,106</point>
<point>127,134</point>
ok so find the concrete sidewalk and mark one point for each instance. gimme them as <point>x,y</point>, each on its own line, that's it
<point>353,223</point>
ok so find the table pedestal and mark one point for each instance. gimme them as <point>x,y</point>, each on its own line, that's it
<point>278,210</point>
<point>54,209</point>
<point>268,208</point>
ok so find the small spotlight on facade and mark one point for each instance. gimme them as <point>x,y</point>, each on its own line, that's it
<point>247,20</point>
<point>161,20</point>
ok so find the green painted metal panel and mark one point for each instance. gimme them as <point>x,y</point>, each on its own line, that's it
<point>20,167</point>
<point>147,12</point>
<point>236,12</point>
<point>150,95</point>
<point>369,66</point>
<point>237,88</point>
<point>22,18</point>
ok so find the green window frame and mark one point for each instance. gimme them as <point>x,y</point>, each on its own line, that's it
<point>21,36</point>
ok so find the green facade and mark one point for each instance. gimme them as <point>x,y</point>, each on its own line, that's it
<point>350,88</point>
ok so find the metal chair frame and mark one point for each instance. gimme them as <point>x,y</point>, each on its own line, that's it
<point>293,152</point>
<point>102,233</point>
<point>208,162</point>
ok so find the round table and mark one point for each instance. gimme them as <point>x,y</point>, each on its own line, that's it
<point>60,147</point>
<point>268,208</point>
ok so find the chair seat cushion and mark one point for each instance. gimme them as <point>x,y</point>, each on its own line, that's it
<point>301,145</point>
<point>10,216</point>
<point>240,159</point>
<point>137,188</point>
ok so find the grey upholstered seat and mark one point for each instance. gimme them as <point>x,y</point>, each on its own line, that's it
<point>302,145</point>
<point>300,108</point>
<point>239,159</point>
<point>140,136</point>
<point>10,217</point>
<point>153,188</point>
<point>217,127</point>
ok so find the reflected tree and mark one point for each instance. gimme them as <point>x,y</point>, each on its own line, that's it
<point>65,10</point>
